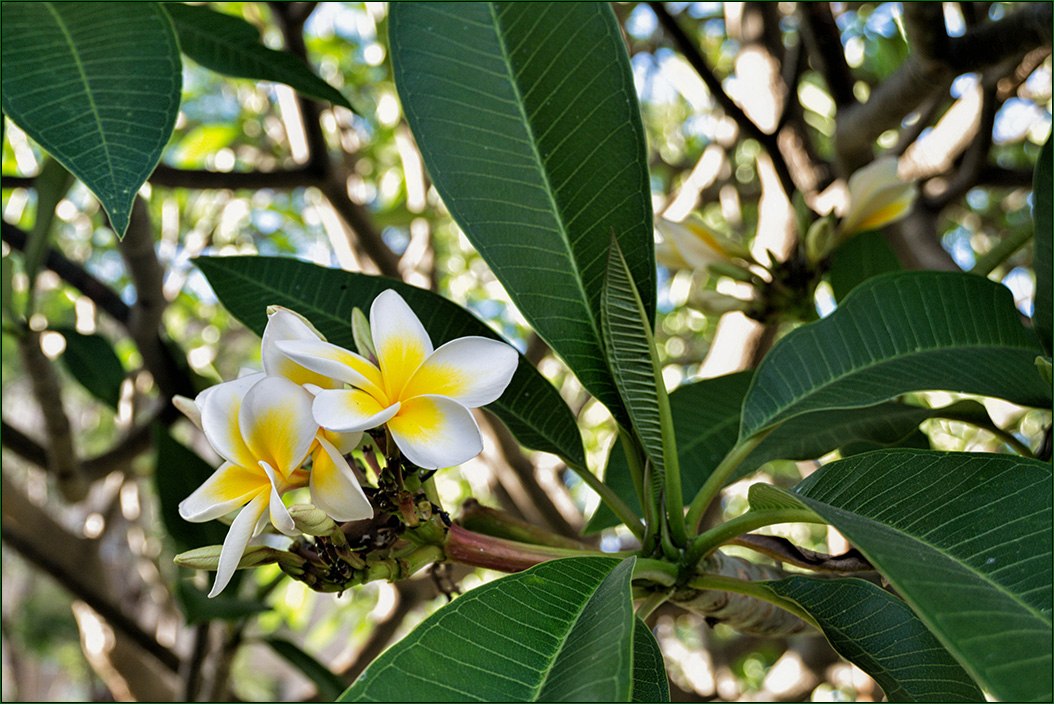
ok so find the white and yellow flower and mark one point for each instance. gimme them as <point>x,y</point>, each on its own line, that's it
<point>263,428</point>
<point>691,245</point>
<point>423,395</point>
<point>877,197</point>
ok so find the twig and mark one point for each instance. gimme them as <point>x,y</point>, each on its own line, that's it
<point>692,54</point>
<point>75,275</point>
<point>823,39</point>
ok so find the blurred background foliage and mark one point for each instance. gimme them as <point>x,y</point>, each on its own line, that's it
<point>745,102</point>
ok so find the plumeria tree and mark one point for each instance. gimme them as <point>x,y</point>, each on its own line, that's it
<point>723,495</point>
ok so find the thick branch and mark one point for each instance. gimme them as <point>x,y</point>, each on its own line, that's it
<point>75,275</point>
<point>691,53</point>
<point>823,39</point>
<point>922,75</point>
<point>297,177</point>
<point>72,561</point>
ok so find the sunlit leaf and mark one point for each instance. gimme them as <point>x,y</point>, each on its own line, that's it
<point>98,86</point>
<point>530,407</point>
<point>230,45</point>
<point>560,631</point>
<point>527,118</point>
<point>897,333</point>
<point>964,538</point>
<point>878,633</point>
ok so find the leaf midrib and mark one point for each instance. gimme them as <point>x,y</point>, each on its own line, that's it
<point>87,91</point>
<point>547,185</point>
<point>772,418</point>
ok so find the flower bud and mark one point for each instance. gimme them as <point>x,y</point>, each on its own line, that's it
<point>311,520</point>
<point>715,303</point>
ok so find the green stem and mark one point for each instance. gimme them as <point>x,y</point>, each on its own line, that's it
<point>707,542</point>
<point>712,486</point>
<point>432,492</point>
<point>617,505</point>
<point>1014,240</point>
<point>652,602</point>
<point>658,571</point>
<point>757,590</point>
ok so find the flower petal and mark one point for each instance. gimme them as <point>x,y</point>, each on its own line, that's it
<point>346,410</point>
<point>877,197</point>
<point>693,245</point>
<point>473,371</point>
<point>276,422</point>
<point>229,487</point>
<point>336,363</point>
<point>334,488</point>
<point>435,431</point>
<point>237,540</point>
<point>344,442</point>
<point>280,517</point>
<point>284,324</point>
<point>219,406</point>
<point>401,341</point>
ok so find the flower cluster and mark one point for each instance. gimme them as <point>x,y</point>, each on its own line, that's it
<point>291,425</point>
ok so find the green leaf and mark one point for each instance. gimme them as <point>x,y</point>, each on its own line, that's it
<point>964,538</point>
<point>882,636</point>
<point>862,257</point>
<point>650,683</point>
<point>530,407</point>
<point>901,332</point>
<point>97,85</point>
<point>179,471</point>
<point>638,377</point>
<point>91,360</point>
<point>231,46</point>
<point>198,607</point>
<point>329,685</point>
<point>560,631</point>
<point>1042,195</point>
<point>528,122</point>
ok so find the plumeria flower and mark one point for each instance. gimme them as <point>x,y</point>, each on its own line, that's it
<point>877,197</point>
<point>691,245</point>
<point>423,395</point>
<point>263,428</point>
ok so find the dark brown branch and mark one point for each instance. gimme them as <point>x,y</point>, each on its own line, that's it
<point>75,275</point>
<point>22,445</point>
<point>788,553</point>
<point>27,529</point>
<point>822,38</point>
<point>919,77</point>
<point>297,177</point>
<point>695,58</point>
<point>927,37</point>
<point>17,181</point>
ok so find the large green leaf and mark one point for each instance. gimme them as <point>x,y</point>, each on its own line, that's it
<point>560,631</point>
<point>528,122</point>
<point>230,45</point>
<point>530,407</point>
<point>91,360</point>
<point>1042,194</point>
<point>901,332</point>
<point>965,538</point>
<point>650,683</point>
<point>98,86</point>
<point>882,636</point>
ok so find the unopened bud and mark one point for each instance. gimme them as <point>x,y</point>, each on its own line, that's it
<point>730,270</point>
<point>821,239</point>
<point>188,408</point>
<point>363,336</point>
<point>312,520</point>
<point>208,558</point>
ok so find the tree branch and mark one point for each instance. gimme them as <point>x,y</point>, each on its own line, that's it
<point>75,275</point>
<point>69,560</point>
<point>821,36</point>
<point>297,177</point>
<point>691,53</point>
